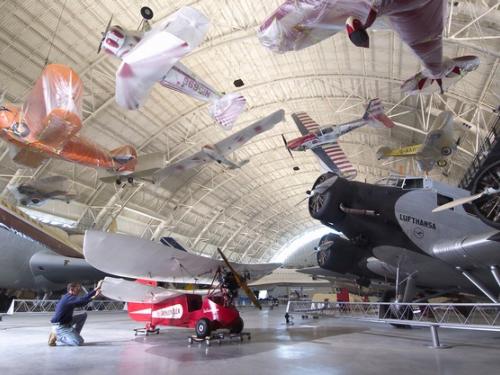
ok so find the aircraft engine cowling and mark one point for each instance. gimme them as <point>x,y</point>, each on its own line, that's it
<point>118,41</point>
<point>339,256</point>
<point>473,251</point>
<point>124,154</point>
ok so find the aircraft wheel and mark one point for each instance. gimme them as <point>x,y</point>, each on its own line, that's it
<point>130,180</point>
<point>442,163</point>
<point>203,328</point>
<point>237,326</point>
<point>147,13</point>
<point>488,206</point>
<point>118,181</point>
<point>24,202</point>
<point>399,311</point>
<point>446,151</point>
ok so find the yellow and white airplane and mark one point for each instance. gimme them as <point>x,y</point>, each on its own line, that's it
<point>439,144</point>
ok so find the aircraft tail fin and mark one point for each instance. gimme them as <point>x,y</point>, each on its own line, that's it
<point>375,115</point>
<point>226,109</point>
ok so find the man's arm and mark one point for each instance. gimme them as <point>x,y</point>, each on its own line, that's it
<point>82,301</point>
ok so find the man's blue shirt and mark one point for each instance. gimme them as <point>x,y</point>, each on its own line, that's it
<point>66,305</point>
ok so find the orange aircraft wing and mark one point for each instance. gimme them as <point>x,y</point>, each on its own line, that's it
<point>52,110</point>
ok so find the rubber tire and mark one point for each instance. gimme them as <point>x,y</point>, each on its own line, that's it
<point>203,328</point>
<point>446,151</point>
<point>238,326</point>
<point>390,296</point>
<point>147,13</point>
<point>442,163</point>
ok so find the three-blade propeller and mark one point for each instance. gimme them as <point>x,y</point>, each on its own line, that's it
<point>241,281</point>
<point>464,200</point>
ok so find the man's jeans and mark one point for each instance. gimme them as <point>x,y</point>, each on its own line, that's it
<point>69,334</point>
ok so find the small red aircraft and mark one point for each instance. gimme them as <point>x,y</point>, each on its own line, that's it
<point>47,126</point>
<point>298,24</point>
<point>150,262</point>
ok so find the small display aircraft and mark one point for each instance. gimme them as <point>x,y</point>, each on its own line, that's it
<point>217,152</point>
<point>152,55</point>
<point>47,126</point>
<point>298,24</point>
<point>439,144</point>
<point>152,262</point>
<point>323,141</point>
<point>43,189</point>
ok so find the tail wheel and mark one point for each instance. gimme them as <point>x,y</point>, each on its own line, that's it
<point>146,13</point>
<point>203,328</point>
<point>237,326</point>
<point>488,206</point>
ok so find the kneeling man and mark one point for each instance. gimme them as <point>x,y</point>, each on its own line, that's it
<point>66,328</point>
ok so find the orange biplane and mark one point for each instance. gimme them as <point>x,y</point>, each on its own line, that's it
<point>47,126</point>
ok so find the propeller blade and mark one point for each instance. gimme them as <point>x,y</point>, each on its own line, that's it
<point>104,34</point>
<point>286,145</point>
<point>458,202</point>
<point>241,282</point>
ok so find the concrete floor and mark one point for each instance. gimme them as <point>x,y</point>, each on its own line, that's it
<point>328,346</point>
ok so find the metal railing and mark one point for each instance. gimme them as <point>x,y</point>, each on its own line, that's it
<point>470,316</point>
<point>45,306</point>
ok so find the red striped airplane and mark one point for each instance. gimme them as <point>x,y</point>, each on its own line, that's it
<point>323,141</point>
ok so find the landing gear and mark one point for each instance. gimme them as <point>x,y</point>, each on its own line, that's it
<point>237,326</point>
<point>130,180</point>
<point>442,163</point>
<point>147,13</point>
<point>118,181</point>
<point>203,328</point>
<point>446,151</point>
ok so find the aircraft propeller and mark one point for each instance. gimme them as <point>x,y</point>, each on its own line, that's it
<point>241,281</point>
<point>104,34</point>
<point>286,145</point>
<point>320,189</point>
<point>460,201</point>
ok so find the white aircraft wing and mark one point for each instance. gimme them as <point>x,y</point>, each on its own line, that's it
<point>137,258</point>
<point>131,291</point>
<point>331,155</point>
<point>146,64</point>
<point>239,138</point>
<point>180,166</point>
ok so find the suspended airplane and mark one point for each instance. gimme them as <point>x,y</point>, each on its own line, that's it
<point>39,191</point>
<point>152,56</point>
<point>47,126</point>
<point>298,24</point>
<point>391,232</point>
<point>439,145</point>
<point>323,141</point>
<point>150,262</point>
<point>217,152</point>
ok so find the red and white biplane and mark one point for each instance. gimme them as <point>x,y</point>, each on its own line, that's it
<point>151,262</point>
<point>298,24</point>
<point>323,141</point>
<point>152,55</point>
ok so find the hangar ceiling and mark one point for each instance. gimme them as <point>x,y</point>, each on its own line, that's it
<point>253,211</point>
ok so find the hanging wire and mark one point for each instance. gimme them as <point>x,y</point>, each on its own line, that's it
<point>55,33</point>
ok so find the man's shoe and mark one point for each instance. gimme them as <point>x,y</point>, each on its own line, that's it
<point>52,339</point>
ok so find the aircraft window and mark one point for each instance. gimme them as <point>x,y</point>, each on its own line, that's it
<point>442,199</point>
<point>414,183</point>
<point>193,302</point>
